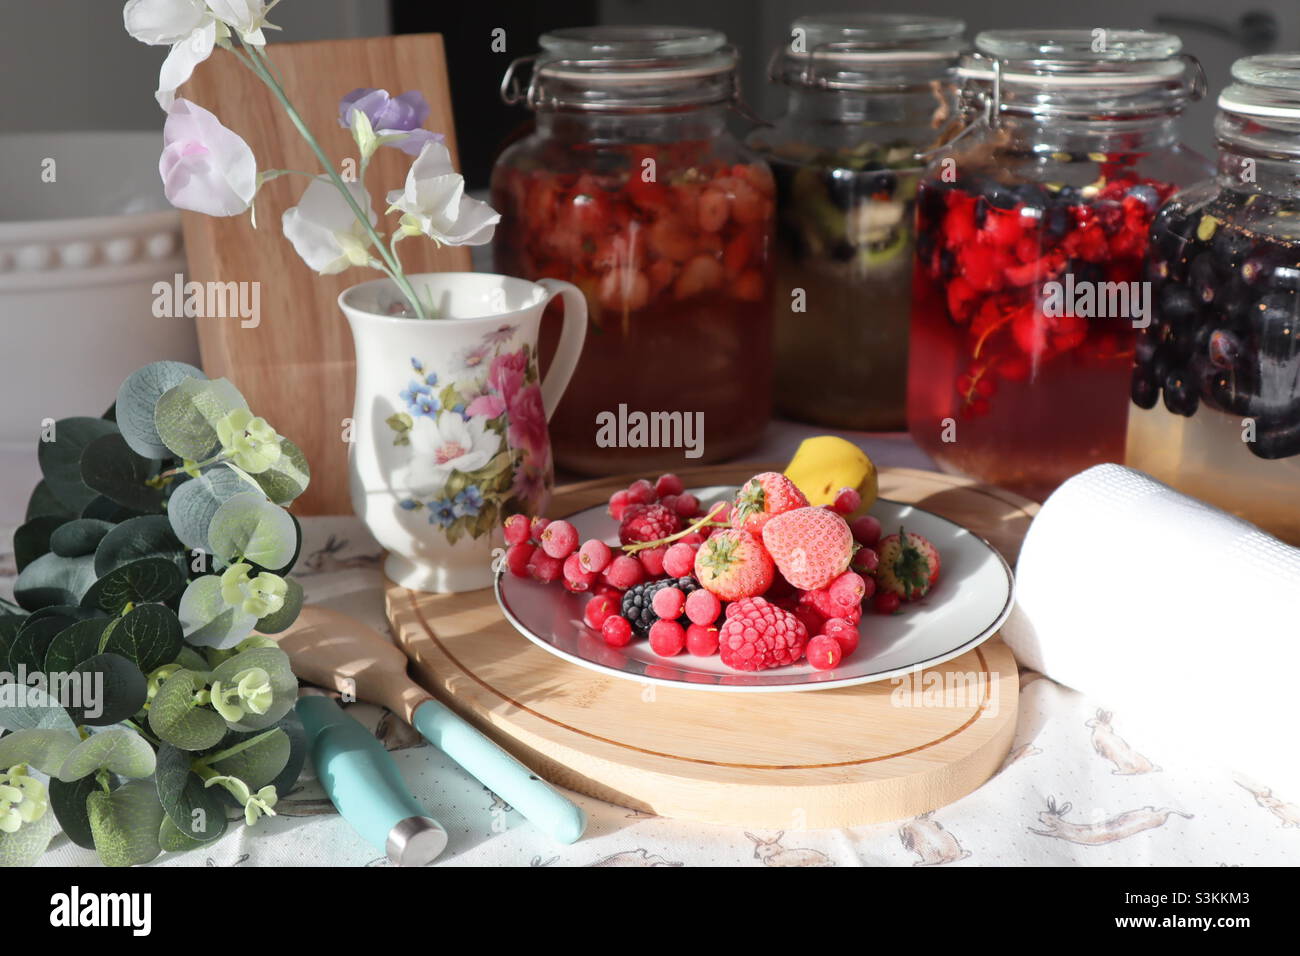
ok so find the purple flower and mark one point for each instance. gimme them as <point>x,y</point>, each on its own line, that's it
<point>391,116</point>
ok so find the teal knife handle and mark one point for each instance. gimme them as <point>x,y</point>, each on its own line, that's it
<point>543,806</point>
<point>356,771</point>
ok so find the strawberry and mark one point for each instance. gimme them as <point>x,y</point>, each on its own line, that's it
<point>733,565</point>
<point>909,565</point>
<point>811,546</point>
<point>763,496</point>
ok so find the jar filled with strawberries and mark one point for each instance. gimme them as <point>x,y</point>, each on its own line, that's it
<point>867,94</point>
<point>631,187</point>
<point>1032,224</point>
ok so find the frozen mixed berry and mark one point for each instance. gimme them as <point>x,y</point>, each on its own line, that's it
<point>517,529</point>
<point>866,530</point>
<point>618,503</point>
<point>687,506</point>
<point>667,602</point>
<point>576,577</point>
<point>640,492</point>
<point>865,562</point>
<point>702,607</point>
<point>624,572</point>
<point>820,600</point>
<point>517,558</point>
<point>679,560</point>
<point>845,633</point>
<point>647,522</point>
<point>848,589</point>
<point>598,609</point>
<point>638,602</point>
<point>559,539</point>
<point>757,635</point>
<point>824,653</point>
<point>847,501</point>
<point>616,631</point>
<point>545,568</point>
<point>733,564</point>
<point>537,526</point>
<point>595,555</point>
<point>812,619</point>
<point>886,602</point>
<point>702,639</point>
<point>652,559</point>
<point>667,638</point>
<point>669,484</point>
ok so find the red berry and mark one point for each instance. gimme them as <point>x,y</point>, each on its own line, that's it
<point>702,607</point>
<point>667,638</point>
<point>866,530</point>
<point>695,538</point>
<point>847,501</point>
<point>537,526</point>
<point>679,560</point>
<point>813,620</point>
<point>598,610</point>
<point>640,492</point>
<point>823,652</point>
<point>845,633</point>
<point>702,639</point>
<point>624,572</point>
<point>757,635</point>
<point>604,589</point>
<point>865,561</point>
<point>887,602</point>
<point>667,603</point>
<point>647,523</point>
<point>616,630</point>
<point>545,568</point>
<point>516,529</point>
<point>669,484</point>
<point>517,558</point>
<point>595,555</point>
<point>618,504</point>
<point>687,506</point>
<point>848,589</point>
<point>652,559</point>
<point>559,539</point>
<point>669,502</point>
<point>576,577</point>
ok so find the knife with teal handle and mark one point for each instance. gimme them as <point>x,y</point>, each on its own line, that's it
<point>331,649</point>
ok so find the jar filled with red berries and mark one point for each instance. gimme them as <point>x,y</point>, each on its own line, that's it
<point>868,93</point>
<point>1216,378</point>
<point>632,188</point>
<point>1031,246</point>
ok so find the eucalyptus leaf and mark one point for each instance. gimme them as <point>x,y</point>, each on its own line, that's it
<point>42,502</point>
<point>149,636</point>
<point>207,620</point>
<point>249,526</point>
<point>76,643</point>
<point>79,537</point>
<point>111,468</point>
<point>9,625</point>
<point>177,719</point>
<point>32,538</point>
<point>60,459</point>
<point>33,640</point>
<point>141,581</point>
<point>186,415</point>
<point>173,840</point>
<point>148,536</point>
<point>284,686</point>
<point>70,612</point>
<point>125,823</point>
<point>263,756</point>
<point>105,689</point>
<point>117,750</point>
<point>195,810</point>
<point>68,801</point>
<point>194,502</point>
<point>281,619</point>
<point>51,579</point>
<point>26,846</point>
<point>293,729</point>
<point>285,568</point>
<point>44,749</point>
<point>287,478</point>
<point>23,707</point>
<point>137,399</point>
<point>106,509</point>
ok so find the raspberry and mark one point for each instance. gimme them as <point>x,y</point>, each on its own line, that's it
<point>667,638</point>
<point>669,484</point>
<point>667,603</point>
<point>517,558</point>
<point>847,501</point>
<point>687,506</point>
<point>679,560</point>
<point>618,504</point>
<point>848,589</point>
<point>703,607</point>
<point>845,633</point>
<point>616,631</point>
<point>702,639</point>
<point>598,610</point>
<point>866,531</point>
<point>537,526</point>
<point>758,635</point>
<point>595,555</point>
<point>647,523</point>
<point>516,529</point>
<point>824,653</point>
<point>652,559</point>
<point>576,577</point>
<point>640,492</point>
<point>559,539</point>
<point>545,568</point>
<point>624,572</point>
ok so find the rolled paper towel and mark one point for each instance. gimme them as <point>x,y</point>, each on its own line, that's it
<point>1184,619</point>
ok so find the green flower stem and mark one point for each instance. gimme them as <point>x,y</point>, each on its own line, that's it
<point>257,60</point>
<point>696,525</point>
<point>221,755</point>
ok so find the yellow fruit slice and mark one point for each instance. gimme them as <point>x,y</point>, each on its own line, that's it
<point>824,464</point>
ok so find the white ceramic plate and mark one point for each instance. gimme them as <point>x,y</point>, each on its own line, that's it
<point>966,607</point>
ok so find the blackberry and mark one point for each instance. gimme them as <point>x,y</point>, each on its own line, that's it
<point>638,601</point>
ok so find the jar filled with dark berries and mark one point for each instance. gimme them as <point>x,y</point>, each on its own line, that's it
<point>1031,244</point>
<point>632,188</point>
<point>868,93</point>
<point>1216,379</point>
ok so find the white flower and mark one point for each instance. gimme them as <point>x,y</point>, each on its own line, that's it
<point>434,202</point>
<point>204,166</point>
<point>325,231</point>
<point>245,17</point>
<point>446,444</point>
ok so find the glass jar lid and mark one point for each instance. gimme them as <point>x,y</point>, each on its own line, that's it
<point>1265,86</point>
<point>1107,71</point>
<point>626,68</point>
<point>864,51</point>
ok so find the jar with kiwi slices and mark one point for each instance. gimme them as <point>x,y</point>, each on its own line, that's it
<point>867,94</point>
<point>1215,392</point>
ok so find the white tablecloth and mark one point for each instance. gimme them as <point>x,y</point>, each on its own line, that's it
<point>1078,788</point>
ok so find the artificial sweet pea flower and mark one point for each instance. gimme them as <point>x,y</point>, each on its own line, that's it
<point>395,120</point>
<point>204,166</point>
<point>187,26</point>
<point>324,230</point>
<point>251,443</point>
<point>245,17</point>
<point>434,203</point>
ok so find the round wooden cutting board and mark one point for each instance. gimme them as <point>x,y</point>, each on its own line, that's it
<point>832,758</point>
